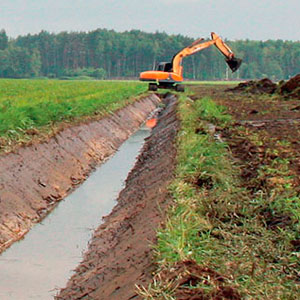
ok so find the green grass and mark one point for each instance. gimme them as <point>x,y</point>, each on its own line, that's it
<point>218,224</point>
<point>28,104</point>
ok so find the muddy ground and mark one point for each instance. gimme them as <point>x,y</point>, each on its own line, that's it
<point>35,178</point>
<point>120,254</point>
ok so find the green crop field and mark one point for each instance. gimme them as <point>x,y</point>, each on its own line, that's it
<point>36,104</point>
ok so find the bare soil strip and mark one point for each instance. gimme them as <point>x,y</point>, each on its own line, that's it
<point>119,254</point>
<point>34,179</point>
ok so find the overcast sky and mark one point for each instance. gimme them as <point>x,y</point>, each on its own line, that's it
<point>232,19</point>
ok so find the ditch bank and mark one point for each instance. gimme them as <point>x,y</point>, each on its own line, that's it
<point>119,254</point>
<point>35,178</point>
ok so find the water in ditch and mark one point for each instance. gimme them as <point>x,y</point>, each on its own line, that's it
<point>37,266</point>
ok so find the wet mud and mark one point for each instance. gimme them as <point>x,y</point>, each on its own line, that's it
<point>35,178</point>
<point>119,254</point>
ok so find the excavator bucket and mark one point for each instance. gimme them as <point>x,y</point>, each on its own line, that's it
<point>234,63</point>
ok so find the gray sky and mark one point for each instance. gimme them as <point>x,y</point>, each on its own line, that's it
<point>232,19</point>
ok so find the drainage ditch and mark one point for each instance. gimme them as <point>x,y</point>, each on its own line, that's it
<point>36,266</point>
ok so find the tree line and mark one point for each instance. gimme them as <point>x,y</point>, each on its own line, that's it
<point>108,54</point>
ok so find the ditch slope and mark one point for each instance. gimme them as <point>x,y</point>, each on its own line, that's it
<point>35,178</point>
<point>119,255</point>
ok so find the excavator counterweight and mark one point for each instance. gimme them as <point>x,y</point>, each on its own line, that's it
<point>169,74</point>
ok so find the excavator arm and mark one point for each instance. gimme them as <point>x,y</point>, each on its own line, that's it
<point>199,45</point>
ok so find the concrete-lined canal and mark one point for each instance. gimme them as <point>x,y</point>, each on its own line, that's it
<point>38,265</point>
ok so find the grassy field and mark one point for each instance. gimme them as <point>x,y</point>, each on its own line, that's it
<point>231,234</point>
<point>30,106</point>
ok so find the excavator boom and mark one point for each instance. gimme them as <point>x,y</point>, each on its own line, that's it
<point>168,75</point>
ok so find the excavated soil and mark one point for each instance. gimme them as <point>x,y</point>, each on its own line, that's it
<point>291,88</point>
<point>120,255</point>
<point>288,89</point>
<point>35,178</point>
<point>255,87</point>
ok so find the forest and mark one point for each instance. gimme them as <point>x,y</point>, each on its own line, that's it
<point>107,54</point>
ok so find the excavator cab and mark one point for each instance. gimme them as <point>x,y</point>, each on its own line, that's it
<point>164,66</point>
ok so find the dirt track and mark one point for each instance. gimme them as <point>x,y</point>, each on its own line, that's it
<point>119,255</point>
<point>34,179</point>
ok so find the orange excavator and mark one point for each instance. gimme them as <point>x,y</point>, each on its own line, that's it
<point>169,74</point>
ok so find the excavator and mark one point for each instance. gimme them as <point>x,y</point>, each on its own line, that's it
<point>169,74</point>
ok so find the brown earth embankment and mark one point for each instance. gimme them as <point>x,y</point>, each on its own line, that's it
<point>34,179</point>
<point>120,254</point>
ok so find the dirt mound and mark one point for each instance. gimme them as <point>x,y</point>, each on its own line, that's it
<point>256,87</point>
<point>290,88</point>
<point>186,276</point>
<point>120,254</point>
